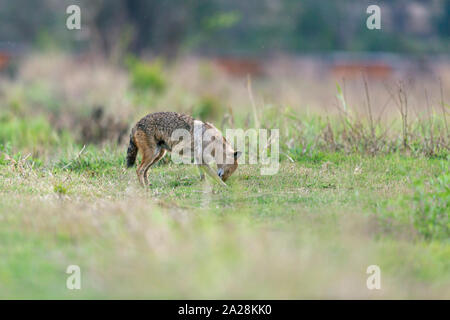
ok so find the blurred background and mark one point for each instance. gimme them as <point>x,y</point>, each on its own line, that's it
<point>228,27</point>
<point>131,57</point>
<point>364,149</point>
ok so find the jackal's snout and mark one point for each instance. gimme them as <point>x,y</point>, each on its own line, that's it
<point>225,171</point>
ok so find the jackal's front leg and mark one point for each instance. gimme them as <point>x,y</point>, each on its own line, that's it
<point>202,174</point>
<point>212,174</point>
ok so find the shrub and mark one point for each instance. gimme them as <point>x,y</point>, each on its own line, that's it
<point>431,207</point>
<point>146,76</point>
<point>208,108</point>
<point>29,133</point>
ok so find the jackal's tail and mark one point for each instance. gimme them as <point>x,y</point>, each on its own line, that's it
<point>131,152</point>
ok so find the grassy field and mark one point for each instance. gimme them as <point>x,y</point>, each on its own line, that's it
<point>308,232</point>
<point>352,191</point>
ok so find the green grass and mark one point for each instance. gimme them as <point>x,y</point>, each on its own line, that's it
<point>309,231</point>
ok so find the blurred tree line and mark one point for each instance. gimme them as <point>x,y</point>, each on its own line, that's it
<point>238,27</point>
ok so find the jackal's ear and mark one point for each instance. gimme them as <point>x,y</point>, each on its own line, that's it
<point>237,154</point>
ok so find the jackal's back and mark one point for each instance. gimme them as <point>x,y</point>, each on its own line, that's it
<point>162,124</point>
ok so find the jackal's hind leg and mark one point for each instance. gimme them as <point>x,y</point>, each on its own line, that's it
<point>147,148</point>
<point>147,159</point>
<point>140,169</point>
<point>160,154</point>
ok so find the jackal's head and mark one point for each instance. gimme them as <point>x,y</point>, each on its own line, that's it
<point>225,170</point>
<point>225,157</point>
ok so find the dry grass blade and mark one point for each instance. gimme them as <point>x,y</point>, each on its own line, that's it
<point>444,113</point>
<point>252,100</point>
<point>76,158</point>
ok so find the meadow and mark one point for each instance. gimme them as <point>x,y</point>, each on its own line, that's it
<point>364,180</point>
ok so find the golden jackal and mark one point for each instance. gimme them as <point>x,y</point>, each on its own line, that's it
<point>154,135</point>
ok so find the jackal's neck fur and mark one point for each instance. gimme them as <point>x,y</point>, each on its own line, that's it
<point>219,141</point>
